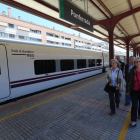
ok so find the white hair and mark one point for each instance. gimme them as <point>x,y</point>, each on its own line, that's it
<point>136,58</point>
<point>118,64</point>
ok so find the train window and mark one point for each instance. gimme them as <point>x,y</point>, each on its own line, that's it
<point>91,62</point>
<point>81,63</point>
<point>99,62</point>
<point>44,66</point>
<point>67,65</point>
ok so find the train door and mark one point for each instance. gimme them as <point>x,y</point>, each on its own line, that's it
<point>4,78</point>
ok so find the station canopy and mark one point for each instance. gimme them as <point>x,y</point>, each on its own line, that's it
<point>96,9</point>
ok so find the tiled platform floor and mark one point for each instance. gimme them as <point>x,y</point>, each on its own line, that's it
<point>80,114</point>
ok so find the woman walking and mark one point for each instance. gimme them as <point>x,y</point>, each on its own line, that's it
<point>133,88</point>
<point>115,78</point>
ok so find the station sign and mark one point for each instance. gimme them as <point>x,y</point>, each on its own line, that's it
<point>71,13</point>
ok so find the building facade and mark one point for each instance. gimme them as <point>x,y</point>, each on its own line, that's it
<point>19,30</point>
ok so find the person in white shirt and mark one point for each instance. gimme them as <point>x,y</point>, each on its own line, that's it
<point>115,78</point>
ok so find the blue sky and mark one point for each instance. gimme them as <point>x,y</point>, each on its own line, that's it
<point>31,18</point>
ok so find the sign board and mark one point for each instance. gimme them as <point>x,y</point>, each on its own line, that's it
<point>71,13</point>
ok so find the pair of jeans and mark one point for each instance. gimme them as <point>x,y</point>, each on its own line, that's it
<point>135,97</point>
<point>127,98</point>
<point>114,98</point>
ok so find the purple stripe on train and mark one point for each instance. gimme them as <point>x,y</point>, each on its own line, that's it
<point>51,77</point>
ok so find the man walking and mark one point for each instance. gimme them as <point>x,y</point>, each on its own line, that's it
<point>127,70</point>
<point>122,65</point>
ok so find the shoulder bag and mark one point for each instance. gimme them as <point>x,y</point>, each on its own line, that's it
<point>111,89</point>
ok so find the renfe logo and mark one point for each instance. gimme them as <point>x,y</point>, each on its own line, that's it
<point>78,16</point>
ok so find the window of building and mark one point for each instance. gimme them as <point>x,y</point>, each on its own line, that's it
<point>44,66</point>
<point>48,41</point>
<point>56,36</point>
<point>67,44</point>
<point>3,34</point>
<point>26,38</point>
<point>63,44</point>
<point>38,32</point>
<point>48,34</point>
<point>57,43</point>
<point>11,36</point>
<point>81,63</point>
<point>35,31</point>
<point>67,38</point>
<point>67,65</point>
<point>10,25</point>
<point>51,42</point>
<point>35,39</point>
<point>32,31</point>
<point>39,40</point>
<point>91,62</point>
<point>99,62</point>
<point>62,37</point>
<point>88,48</point>
<point>29,38</point>
<point>21,37</point>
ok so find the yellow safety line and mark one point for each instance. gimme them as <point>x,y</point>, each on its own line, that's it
<point>46,101</point>
<point>125,126</point>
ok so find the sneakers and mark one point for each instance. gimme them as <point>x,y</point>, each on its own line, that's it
<point>132,124</point>
<point>126,104</point>
<point>111,113</point>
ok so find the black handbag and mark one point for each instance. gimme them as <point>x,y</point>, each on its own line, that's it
<point>110,89</point>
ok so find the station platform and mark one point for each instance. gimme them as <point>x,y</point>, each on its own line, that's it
<point>76,111</point>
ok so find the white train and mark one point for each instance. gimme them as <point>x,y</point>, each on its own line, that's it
<point>27,68</point>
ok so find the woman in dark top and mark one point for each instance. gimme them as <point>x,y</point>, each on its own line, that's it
<point>133,88</point>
